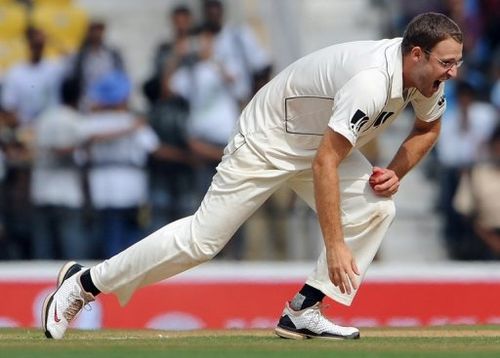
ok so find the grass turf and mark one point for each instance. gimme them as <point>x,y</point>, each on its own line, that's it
<point>451,341</point>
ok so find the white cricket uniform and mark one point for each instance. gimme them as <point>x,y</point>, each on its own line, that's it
<point>356,89</point>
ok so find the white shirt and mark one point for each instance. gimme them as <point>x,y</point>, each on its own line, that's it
<point>29,89</point>
<point>354,88</point>
<point>57,181</point>
<point>213,108</point>
<point>117,178</point>
<point>240,44</point>
<point>459,147</point>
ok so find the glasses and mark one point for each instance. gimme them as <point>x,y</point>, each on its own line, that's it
<point>448,64</point>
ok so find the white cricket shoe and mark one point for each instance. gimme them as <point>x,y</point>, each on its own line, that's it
<point>311,323</point>
<point>62,306</point>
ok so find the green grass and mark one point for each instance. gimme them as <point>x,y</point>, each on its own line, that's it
<point>456,342</point>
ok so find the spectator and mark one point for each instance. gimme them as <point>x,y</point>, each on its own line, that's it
<point>56,185</point>
<point>171,171</point>
<point>29,88</point>
<point>172,54</point>
<point>209,85</point>
<point>94,59</point>
<point>240,43</point>
<point>118,154</point>
<point>477,199</point>
<point>214,110</point>
<point>252,68</point>
<point>465,130</point>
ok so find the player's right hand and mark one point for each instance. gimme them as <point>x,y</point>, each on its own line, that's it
<point>342,268</point>
<point>384,182</point>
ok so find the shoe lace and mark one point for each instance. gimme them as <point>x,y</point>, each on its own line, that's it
<point>318,315</point>
<point>75,305</point>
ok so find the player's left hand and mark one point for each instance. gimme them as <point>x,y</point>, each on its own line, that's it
<point>384,182</point>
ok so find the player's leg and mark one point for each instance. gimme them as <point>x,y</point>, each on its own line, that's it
<point>366,218</point>
<point>242,183</point>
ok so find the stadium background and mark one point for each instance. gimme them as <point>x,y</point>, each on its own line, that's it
<point>415,280</point>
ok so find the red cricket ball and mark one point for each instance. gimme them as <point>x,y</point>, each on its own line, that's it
<point>372,178</point>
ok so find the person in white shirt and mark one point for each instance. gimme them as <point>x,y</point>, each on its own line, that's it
<point>240,44</point>
<point>56,181</point>
<point>31,87</point>
<point>28,89</point>
<point>302,129</point>
<point>213,109</point>
<point>466,128</point>
<point>118,155</point>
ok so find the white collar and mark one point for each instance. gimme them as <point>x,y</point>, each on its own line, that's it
<point>394,58</point>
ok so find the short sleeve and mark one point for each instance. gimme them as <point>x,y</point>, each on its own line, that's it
<point>65,132</point>
<point>429,109</point>
<point>357,104</point>
<point>9,97</point>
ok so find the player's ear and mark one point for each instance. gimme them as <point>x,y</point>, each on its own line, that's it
<point>417,53</point>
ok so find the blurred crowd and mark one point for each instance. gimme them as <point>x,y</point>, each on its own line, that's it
<point>83,175</point>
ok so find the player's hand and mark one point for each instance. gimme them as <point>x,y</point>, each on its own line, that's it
<point>384,182</point>
<point>342,268</point>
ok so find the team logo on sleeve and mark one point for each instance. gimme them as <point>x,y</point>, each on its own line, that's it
<point>358,121</point>
<point>442,101</point>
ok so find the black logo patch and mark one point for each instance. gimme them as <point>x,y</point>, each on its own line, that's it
<point>442,101</point>
<point>358,120</point>
<point>382,117</point>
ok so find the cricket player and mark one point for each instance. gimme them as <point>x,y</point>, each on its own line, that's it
<point>303,129</point>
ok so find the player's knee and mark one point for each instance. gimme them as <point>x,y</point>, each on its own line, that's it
<point>387,209</point>
<point>206,250</point>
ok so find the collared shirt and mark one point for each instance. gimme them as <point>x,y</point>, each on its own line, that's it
<point>354,88</point>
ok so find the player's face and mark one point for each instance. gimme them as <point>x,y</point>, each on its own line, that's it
<point>437,65</point>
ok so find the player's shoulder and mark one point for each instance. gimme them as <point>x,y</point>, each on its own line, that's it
<point>369,50</point>
<point>370,57</point>
<point>372,45</point>
<point>372,82</point>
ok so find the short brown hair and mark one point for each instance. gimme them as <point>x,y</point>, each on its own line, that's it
<point>427,29</point>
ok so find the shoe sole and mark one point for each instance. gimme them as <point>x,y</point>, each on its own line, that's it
<point>283,333</point>
<point>64,273</point>
<point>287,334</point>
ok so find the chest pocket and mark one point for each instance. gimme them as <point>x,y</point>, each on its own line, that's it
<point>307,115</point>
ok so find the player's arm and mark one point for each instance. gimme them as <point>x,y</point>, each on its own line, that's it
<point>341,265</point>
<point>418,143</point>
<point>137,124</point>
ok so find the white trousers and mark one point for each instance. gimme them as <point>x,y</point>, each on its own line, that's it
<point>242,184</point>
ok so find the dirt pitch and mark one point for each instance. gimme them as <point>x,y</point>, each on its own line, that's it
<point>449,341</point>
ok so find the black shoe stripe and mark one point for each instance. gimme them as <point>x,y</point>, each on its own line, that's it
<point>286,323</point>
<point>71,271</point>
<point>46,316</point>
